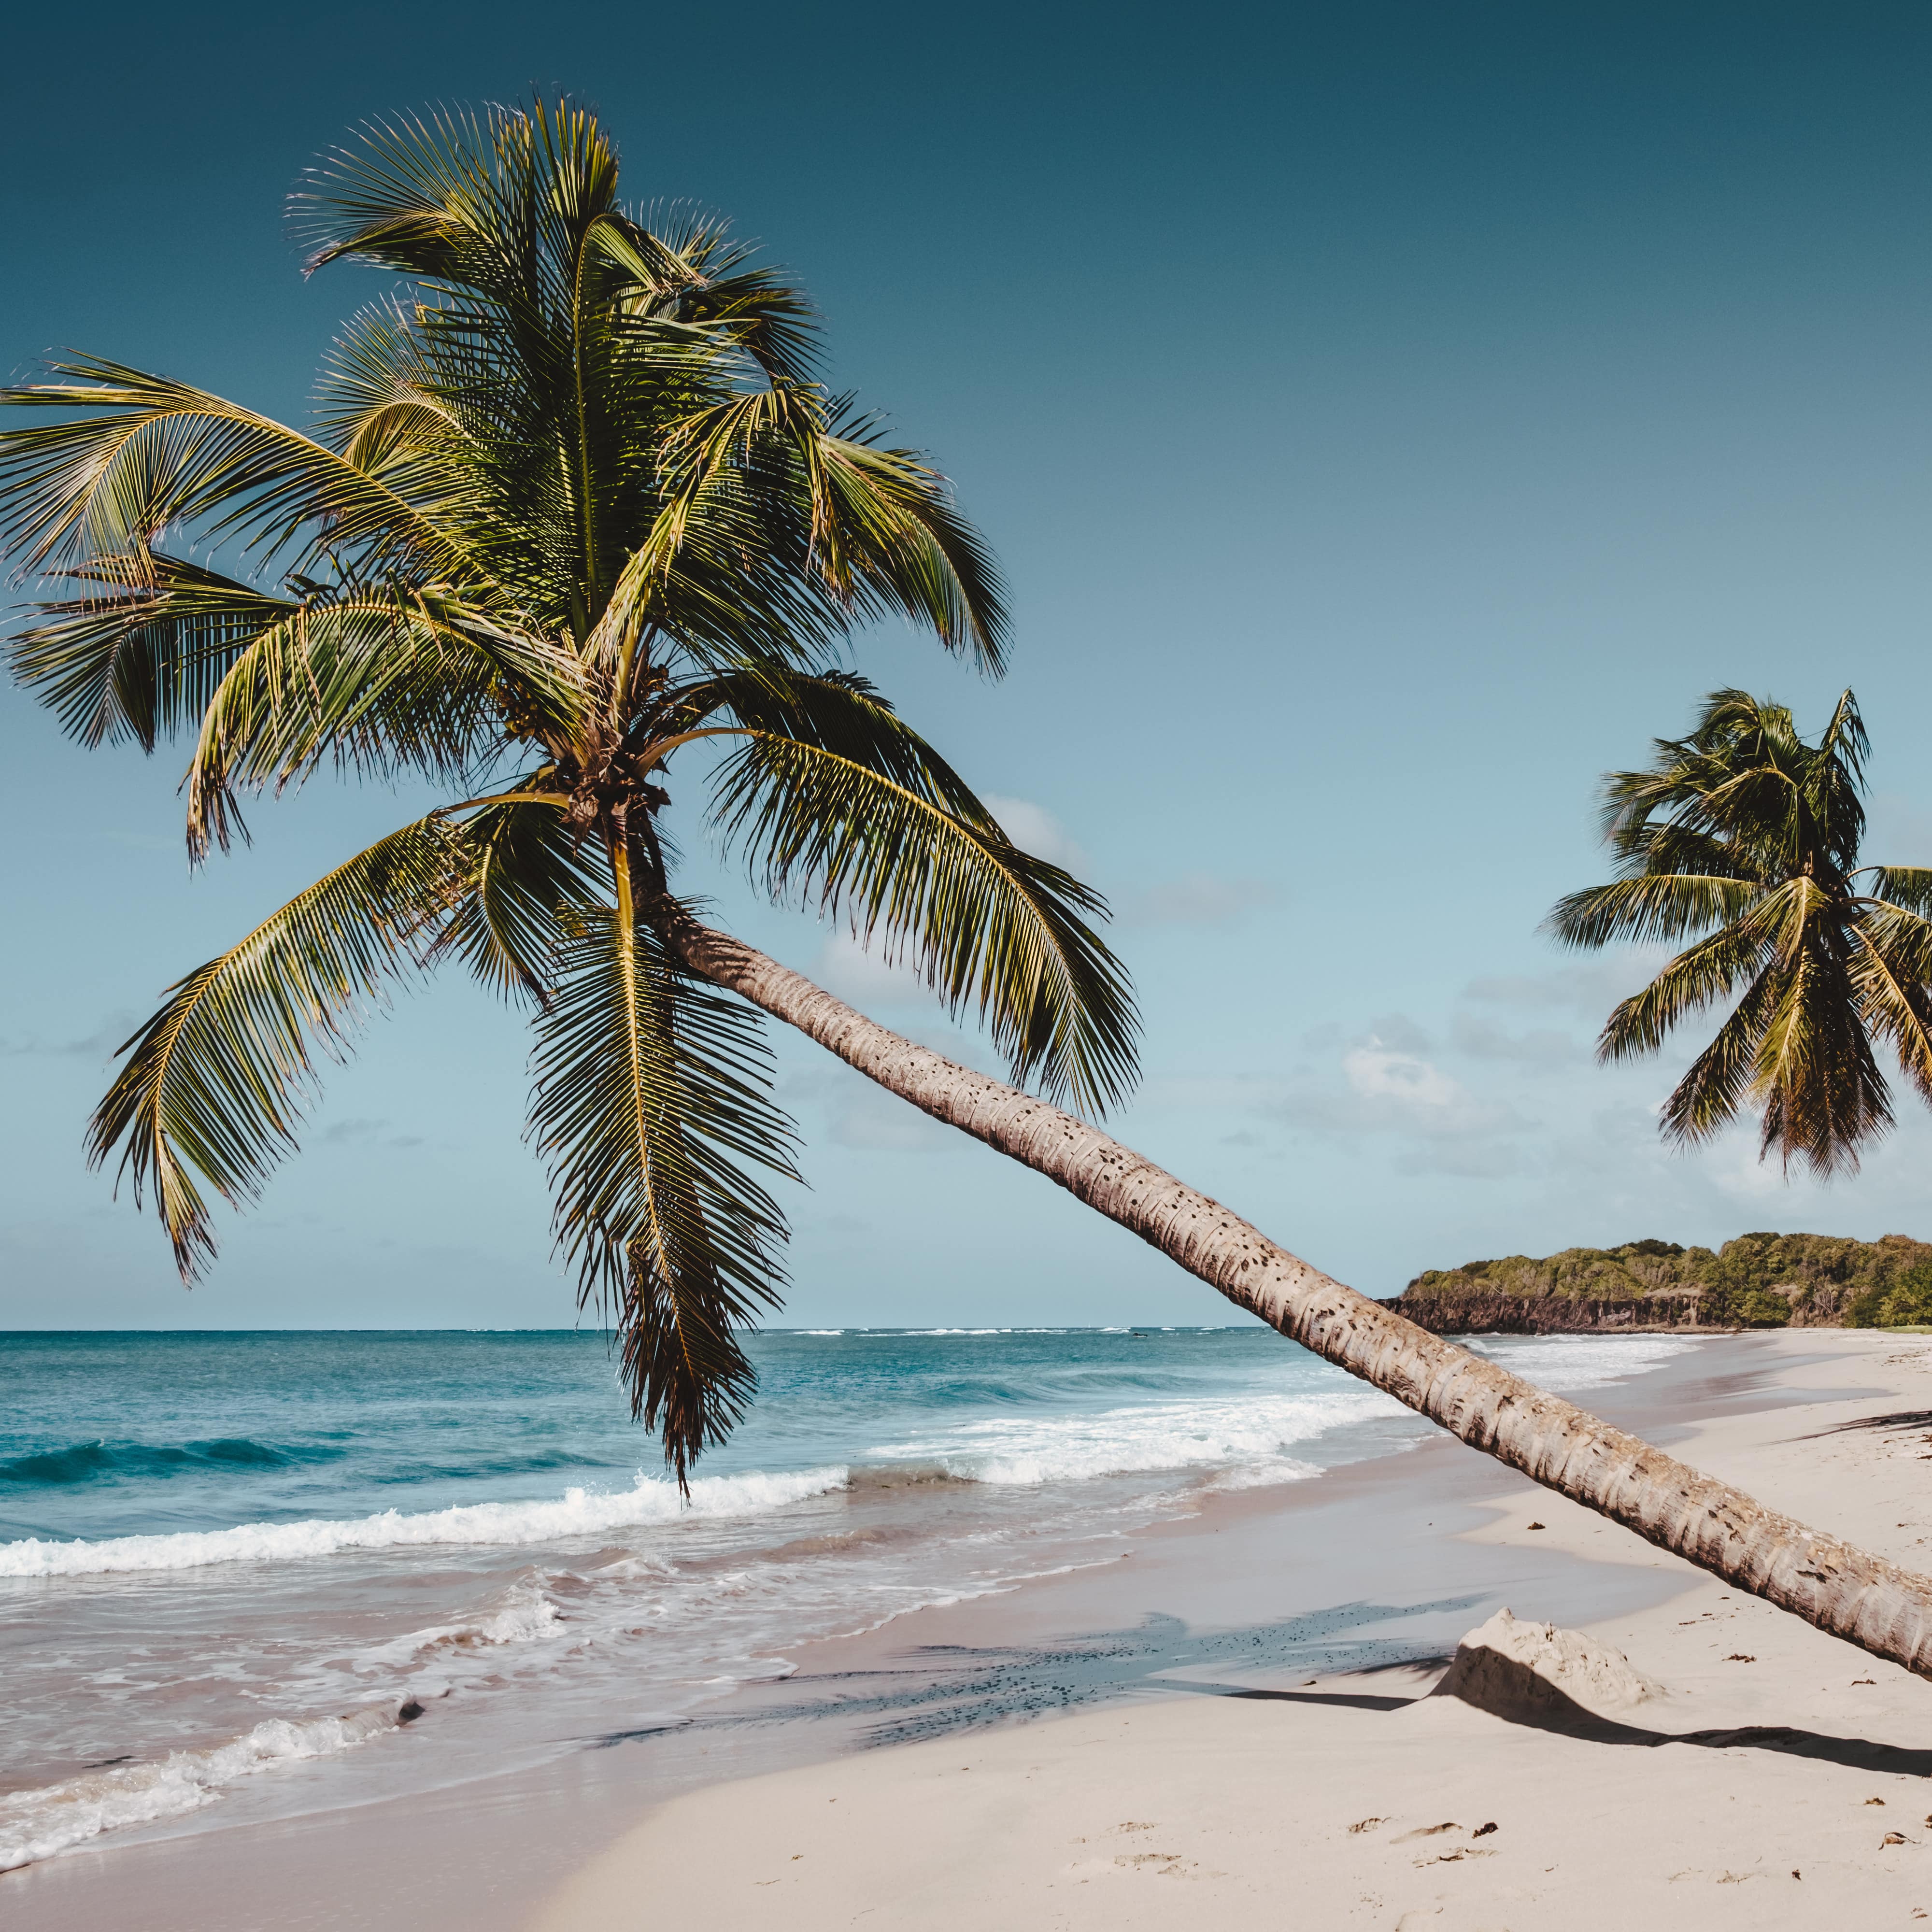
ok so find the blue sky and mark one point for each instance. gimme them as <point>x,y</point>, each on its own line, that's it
<point>1389,417</point>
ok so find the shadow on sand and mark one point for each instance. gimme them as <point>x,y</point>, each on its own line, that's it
<point>947,1689</point>
<point>1514,1692</point>
<point>942,1688</point>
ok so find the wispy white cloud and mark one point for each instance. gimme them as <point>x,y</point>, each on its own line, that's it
<point>1035,829</point>
<point>863,977</point>
<point>1391,1089</point>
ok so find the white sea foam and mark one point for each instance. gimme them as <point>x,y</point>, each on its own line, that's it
<point>1254,1430</point>
<point>1564,1363</point>
<point>526,1616</point>
<point>38,1824</point>
<point>578,1512</point>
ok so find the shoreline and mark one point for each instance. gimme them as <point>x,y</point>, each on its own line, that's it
<point>1776,1778</point>
<point>487,1854</point>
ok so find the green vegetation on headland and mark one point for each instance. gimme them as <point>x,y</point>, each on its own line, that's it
<point>1757,1281</point>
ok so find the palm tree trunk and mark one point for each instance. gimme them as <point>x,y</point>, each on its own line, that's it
<point>1867,1601</point>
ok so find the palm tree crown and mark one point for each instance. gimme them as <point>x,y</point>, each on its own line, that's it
<point>1746,833</point>
<point>575,504</point>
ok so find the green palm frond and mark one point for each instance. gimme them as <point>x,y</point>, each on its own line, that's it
<point>166,455</point>
<point>652,1098</point>
<point>1823,1093</point>
<point>1891,968</point>
<point>1670,906</point>
<point>880,527</point>
<point>380,682</point>
<point>1721,1079</point>
<point>990,926</point>
<point>1746,826</point>
<point>522,867</point>
<point>217,1082</point>
<point>1908,887</point>
<point>839,712</point>
<point>1701,976</point>
<point>138,654</point>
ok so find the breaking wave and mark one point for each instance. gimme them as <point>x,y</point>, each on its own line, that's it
<point>38,1824</point>
<point>1256,1431</point>
<point>578,1512</point>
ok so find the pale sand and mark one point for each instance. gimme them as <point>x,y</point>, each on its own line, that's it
<point>1355,1802</point>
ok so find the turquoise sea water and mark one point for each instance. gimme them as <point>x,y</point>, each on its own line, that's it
<point>245,1574</point>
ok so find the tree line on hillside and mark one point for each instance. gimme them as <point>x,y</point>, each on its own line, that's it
<point>1757,1281</point>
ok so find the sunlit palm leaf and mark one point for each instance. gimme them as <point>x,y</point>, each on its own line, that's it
<point>990,926</point>
<point>1719,1080</point>
<point>522,866</point>
<point>1701,976</point>
<point>1668,907</point>
<point>218,1081</point>
<point>138,653</point>
<point>1891,967</point>
<point>1822,1094</point>
<point>651,1096</point>
<point>167,454</point>
<point>382,684</point>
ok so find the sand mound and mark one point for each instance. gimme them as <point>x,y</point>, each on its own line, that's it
<point>1537,1671</point>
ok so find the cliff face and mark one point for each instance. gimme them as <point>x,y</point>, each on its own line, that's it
<point>1757,1281</point>
<point>1546,1314</point>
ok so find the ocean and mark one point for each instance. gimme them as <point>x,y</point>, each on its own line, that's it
<point>247,1576</point>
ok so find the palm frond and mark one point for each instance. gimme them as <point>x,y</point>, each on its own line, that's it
<point>989,925</point>
<point>1701,976</point>
<point>1891,967</point>
<point>1906,887</point>
<point>381,682</point>
<point>140,652</point>
<point>522,867</point>
<point>840,711</point>
<point>882,532</point>
<point>217,1082</point>
<point>652,1096</point>
<point>1822,1094</point>
<point>164,453</point>
<point>1666,906</point>
<point>1719,1080</point>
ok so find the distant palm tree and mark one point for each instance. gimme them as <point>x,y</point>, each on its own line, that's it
<point>1745,828</point>
<point>575,505</point>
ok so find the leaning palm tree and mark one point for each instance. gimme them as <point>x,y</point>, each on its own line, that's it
<point>576,510</point>
<point>1747,835</point>
<point>575,506</point>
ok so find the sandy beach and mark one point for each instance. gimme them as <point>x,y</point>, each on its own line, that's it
<point>1360,1800</point>
<point>1227,1726</point>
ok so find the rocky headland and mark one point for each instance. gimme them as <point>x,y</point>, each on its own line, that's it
<point>1757,1281</point>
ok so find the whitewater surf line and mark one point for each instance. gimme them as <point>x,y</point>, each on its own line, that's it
<point>578,1512</point>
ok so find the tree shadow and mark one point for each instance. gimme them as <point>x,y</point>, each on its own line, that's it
<point>1512,1691</point>
<point>940,1689</point>
<point>1899,1419</point>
